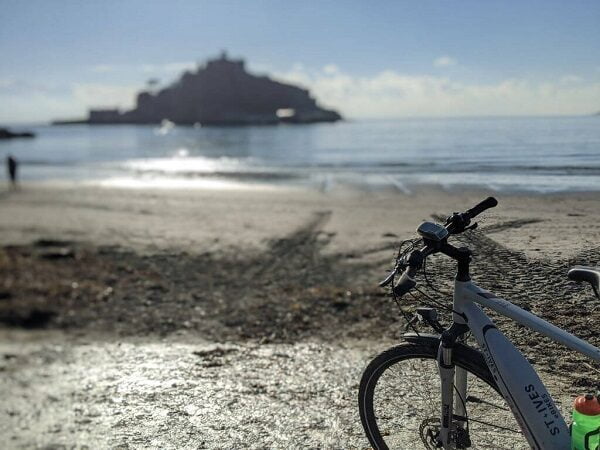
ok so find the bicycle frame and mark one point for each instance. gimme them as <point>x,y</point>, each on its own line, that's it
<point>533,407</point>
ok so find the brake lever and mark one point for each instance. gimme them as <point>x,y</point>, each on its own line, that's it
<point>461,224</point>
<point>399,268</point>
<point>389,278</point>
<point>471,227</point>
<point>450,217</point>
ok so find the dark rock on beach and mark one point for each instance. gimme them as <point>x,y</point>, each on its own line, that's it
<point>5,133</point>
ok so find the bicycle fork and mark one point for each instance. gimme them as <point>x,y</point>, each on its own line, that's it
<point>452,433</point>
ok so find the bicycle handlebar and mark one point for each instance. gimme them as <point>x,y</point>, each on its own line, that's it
<point>457,223</point>
<point>488,203</point>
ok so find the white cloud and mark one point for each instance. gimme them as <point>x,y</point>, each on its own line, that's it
<point>5,83</point>
<point>165,68</point>
<point>569,79</point>
<point>21,102</point>
<point>100,95</point>
<point>104,68</point>
<point>331,69</point>
<point>174,67</point>
<point>391,94</point>
<point>444,61</point>
<point>36,107</point>
<point>12,86</point>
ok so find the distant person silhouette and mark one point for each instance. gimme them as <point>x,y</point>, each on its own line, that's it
<point>12,164</point>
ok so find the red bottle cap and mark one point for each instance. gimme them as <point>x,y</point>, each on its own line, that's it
<point>588,405</point>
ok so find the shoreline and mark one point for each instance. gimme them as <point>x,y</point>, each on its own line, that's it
<point>325,184</point>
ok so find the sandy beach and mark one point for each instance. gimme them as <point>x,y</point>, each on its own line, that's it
<point>243,318</point>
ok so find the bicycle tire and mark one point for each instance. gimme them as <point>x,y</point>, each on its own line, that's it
<point>389,426</point>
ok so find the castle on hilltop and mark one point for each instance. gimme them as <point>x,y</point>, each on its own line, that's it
<point>219,92</point>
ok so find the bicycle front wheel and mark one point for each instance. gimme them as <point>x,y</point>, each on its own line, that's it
<point>400,402</point>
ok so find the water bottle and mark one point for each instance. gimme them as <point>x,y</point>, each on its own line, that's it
<point>585,431</point>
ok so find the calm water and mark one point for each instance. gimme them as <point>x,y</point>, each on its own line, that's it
<point>523,154</point>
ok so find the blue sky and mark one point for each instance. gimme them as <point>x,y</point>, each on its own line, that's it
<point>371,59</point>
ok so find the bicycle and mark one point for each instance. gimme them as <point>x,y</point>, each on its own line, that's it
<point>487,398</point>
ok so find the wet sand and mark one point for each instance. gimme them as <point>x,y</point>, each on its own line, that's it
<point>225,318</point>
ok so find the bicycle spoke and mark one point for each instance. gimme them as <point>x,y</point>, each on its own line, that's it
<point>407,408</point>
<point>493,425</point>
<point>474,399</point>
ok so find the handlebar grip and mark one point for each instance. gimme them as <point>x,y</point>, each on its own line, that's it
<point>489,202</point>
<point>405,284</point>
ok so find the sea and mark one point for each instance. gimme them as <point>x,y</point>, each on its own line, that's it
<point>532,154</point>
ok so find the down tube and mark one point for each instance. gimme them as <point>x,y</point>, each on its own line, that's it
<point>523,390</point>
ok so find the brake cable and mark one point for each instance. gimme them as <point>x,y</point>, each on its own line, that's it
<point>401,254</point>
<point>430,284</point>
<point>408,320</point>
<point>430,300</point>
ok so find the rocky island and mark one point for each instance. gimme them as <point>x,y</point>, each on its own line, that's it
<point>219,92</point>
<point>5,133</point>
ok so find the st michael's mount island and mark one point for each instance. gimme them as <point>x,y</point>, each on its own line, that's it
<point>219,92</point>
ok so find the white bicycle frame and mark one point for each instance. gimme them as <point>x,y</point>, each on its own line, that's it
<point>533,407</point>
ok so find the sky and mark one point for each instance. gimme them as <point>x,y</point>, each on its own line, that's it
<point>382,59</point>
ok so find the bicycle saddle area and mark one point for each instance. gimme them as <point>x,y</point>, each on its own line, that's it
<point>586,273</point>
